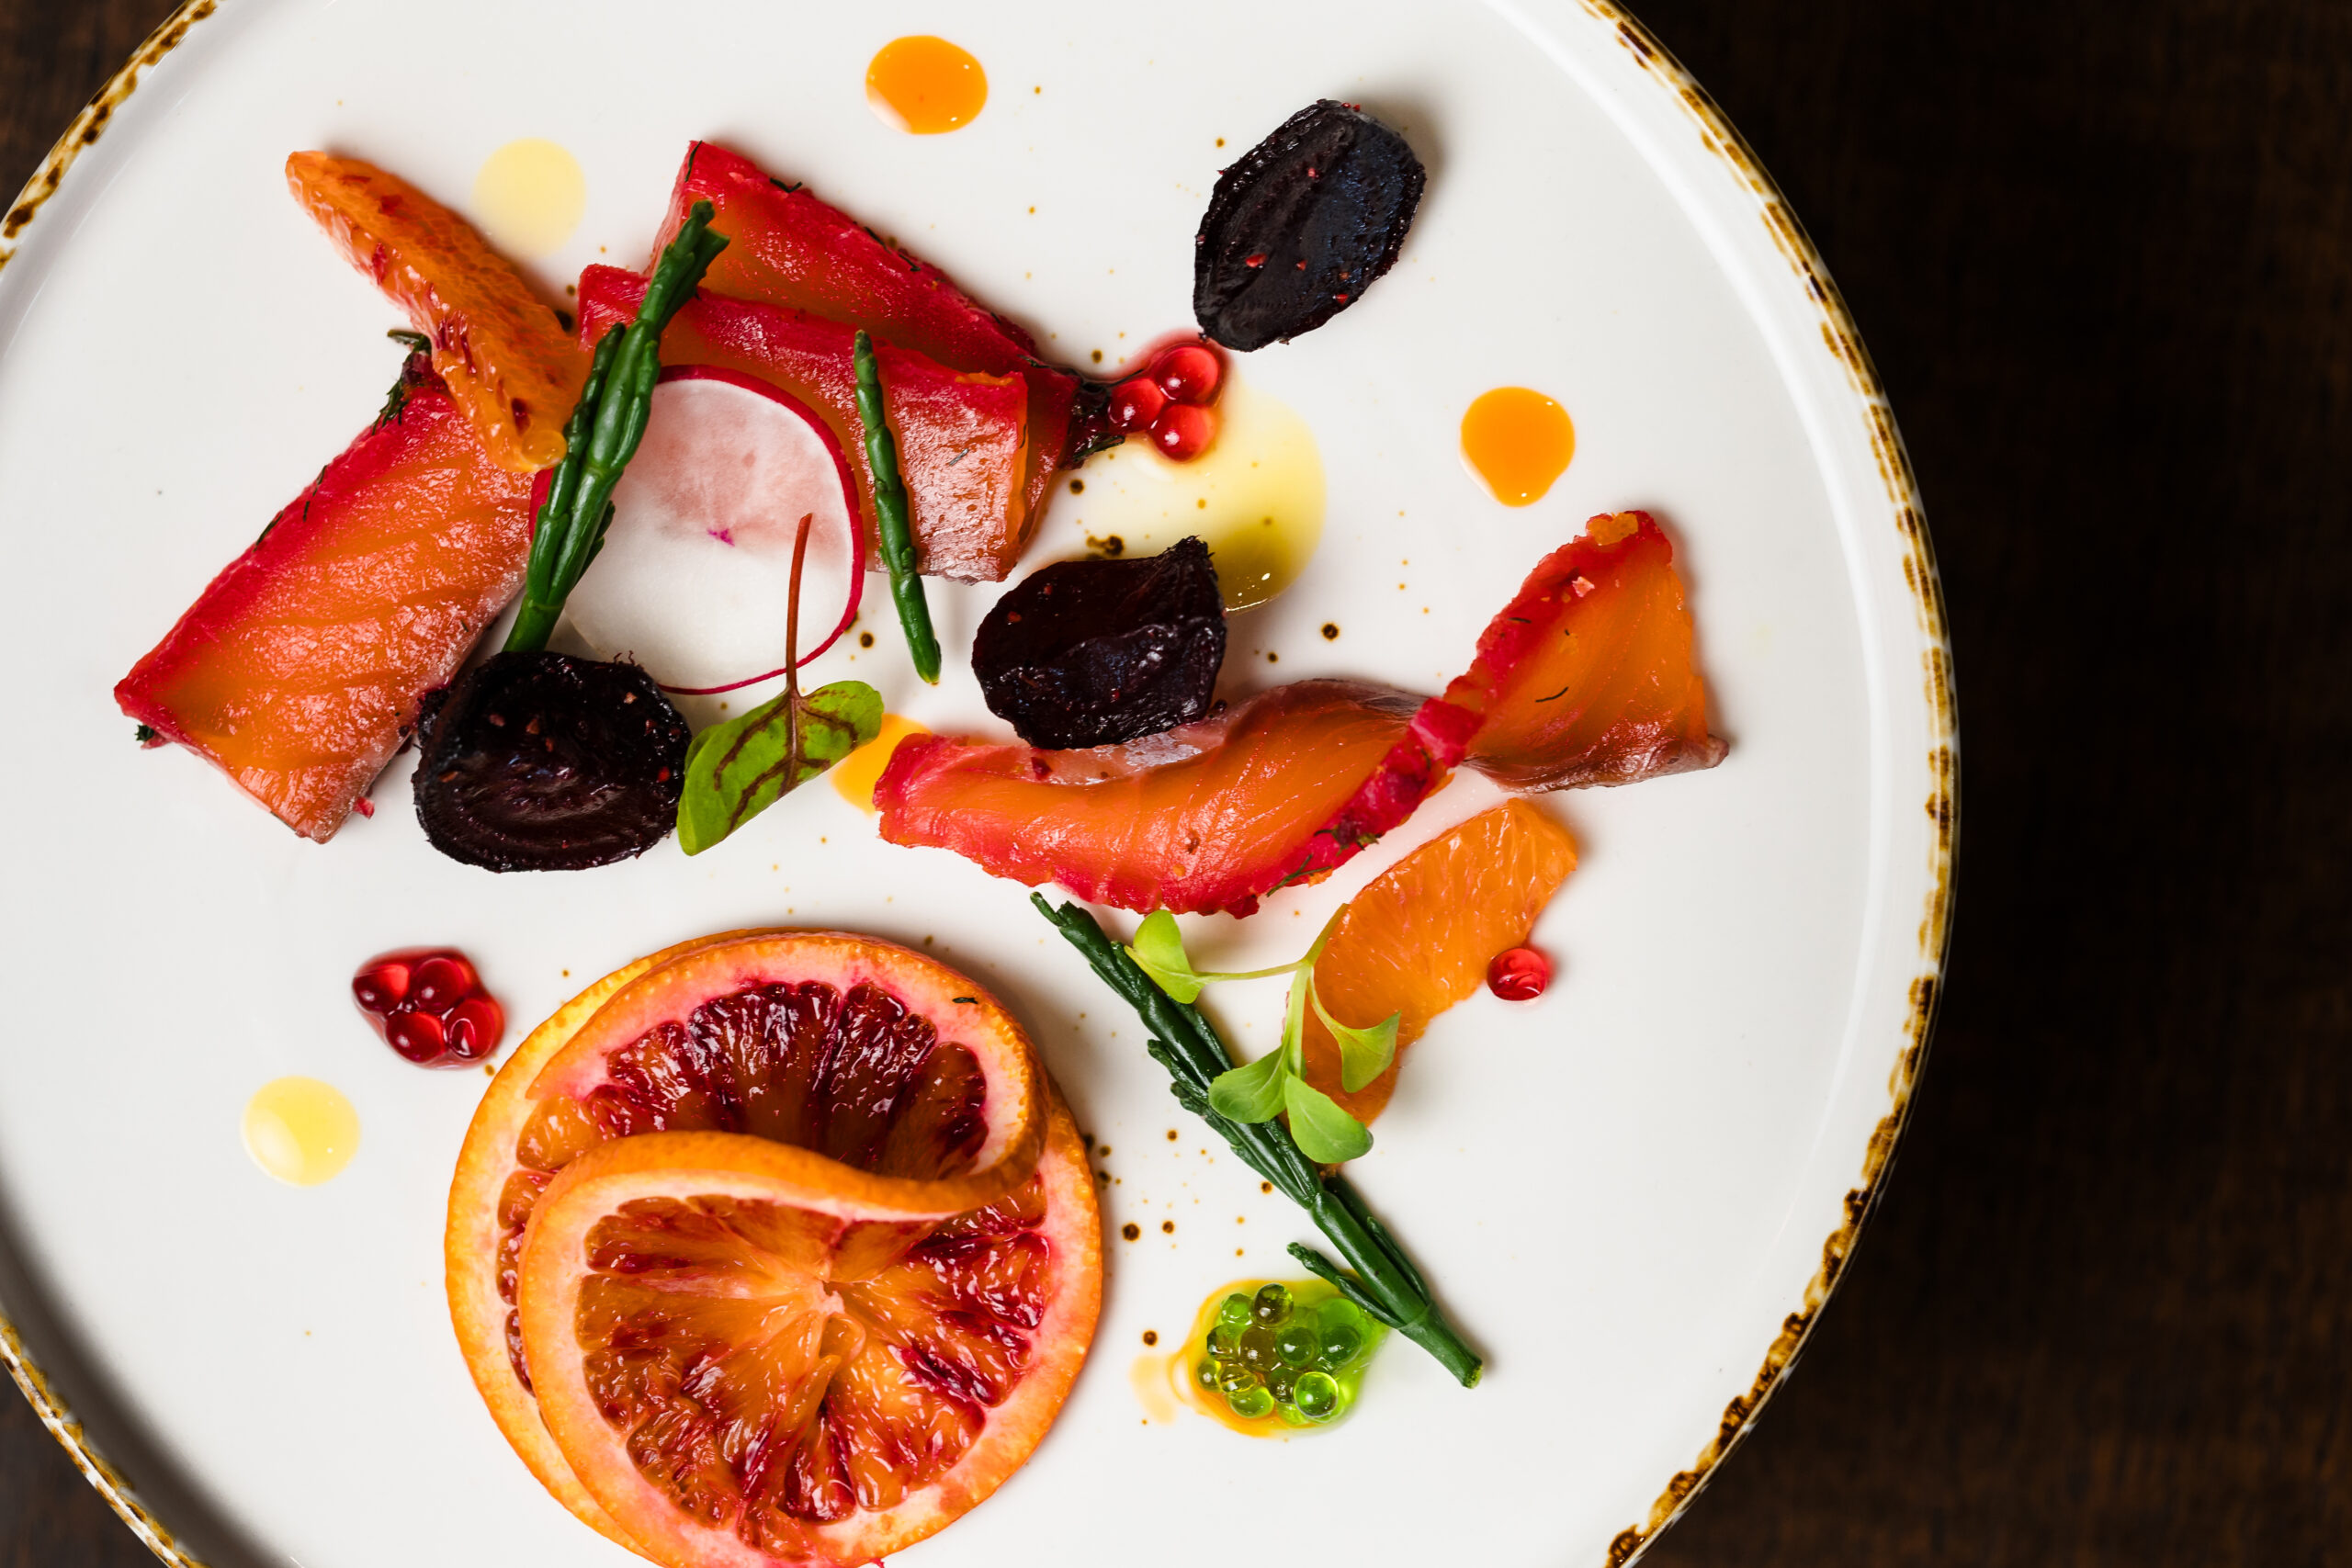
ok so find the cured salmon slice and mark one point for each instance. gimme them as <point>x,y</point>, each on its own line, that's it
<point>1586,677</point>
<point>501,352</point>
<point>963,438</point>
<point>300,670</point>
<point>789,248</point>
<point>1278,789</point>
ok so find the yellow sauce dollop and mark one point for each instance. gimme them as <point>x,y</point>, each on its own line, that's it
<point>300,1130</point>
<point>1517,442</point>
<point>530,197</point>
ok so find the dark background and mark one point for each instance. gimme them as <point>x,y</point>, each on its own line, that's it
<point>2101,251</point>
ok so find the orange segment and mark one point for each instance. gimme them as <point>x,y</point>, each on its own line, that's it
<point>508,363</point>
<point>749,1354</point>
<point>1418,939</point>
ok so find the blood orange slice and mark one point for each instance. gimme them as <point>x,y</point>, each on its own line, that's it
<point>1418,938</point>
<point>751,1354</point>
<point>864,1051</point>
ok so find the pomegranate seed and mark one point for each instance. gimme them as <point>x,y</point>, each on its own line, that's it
<point>1182,432</point>
<point>1519,974</point>
<point>1135,403</point>
<point>416,1035</point>
<point>442,981</point>
<point>381,988</point>
<point>1189,374</point>
<point>475,1025</point>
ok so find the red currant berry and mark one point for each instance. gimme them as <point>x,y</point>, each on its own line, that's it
<point>1183,432</point>
<point>1187,374</point>
<point>1135,403</point>
<point>418,1036</point>
<point>381,988</point>
<point>442,981</point>
<point>475,1025</point>
<point>1519,974</point>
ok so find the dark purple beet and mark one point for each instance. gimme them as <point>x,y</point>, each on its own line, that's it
<point>541,762</point>
<point>1095,652</point>
<point>1300,226</point>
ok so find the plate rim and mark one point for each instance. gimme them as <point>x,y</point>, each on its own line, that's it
<point>1922,577</point>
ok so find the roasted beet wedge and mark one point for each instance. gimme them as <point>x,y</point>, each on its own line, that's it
<point>963,437</point>
<point>300,670</point>
<point>1587,677</point>
<point>791,249</point>
<point>1096,652</point>
<point>541,762</point>
<point>1279,789</point>
<point>1302,224</point>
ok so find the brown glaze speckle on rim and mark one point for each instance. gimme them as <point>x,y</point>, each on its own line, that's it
<point>1844,342</point>
<point>91,123</point>
<point>84,132</point>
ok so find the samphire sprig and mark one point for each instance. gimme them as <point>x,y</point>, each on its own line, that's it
<point>603,434</point>
<point>1383,1282</point>
<point>1276,1082</point>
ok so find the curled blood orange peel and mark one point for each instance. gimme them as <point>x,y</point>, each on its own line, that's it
<point>507,360</point>
<point>1419,936</point>
<point>883,1061</point>
<point>749,1354</point>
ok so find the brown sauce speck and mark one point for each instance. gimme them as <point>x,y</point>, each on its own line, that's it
<point>1151,1336</point>
<point>1132,1230</point>
<point>1078,487</point>
<point>1330,631</point>
<point>1172,1134</point>
<point>1167,1227</point>
<point>1265,1187</point>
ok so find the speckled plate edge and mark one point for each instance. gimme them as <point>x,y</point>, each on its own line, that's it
<point>1840,337</point>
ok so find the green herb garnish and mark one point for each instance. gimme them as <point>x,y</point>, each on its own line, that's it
<point>737,770</point>
<point>1276,1082</point>
<point>603,434</point>
<point>890,525</point>
<point>1383,1282</point>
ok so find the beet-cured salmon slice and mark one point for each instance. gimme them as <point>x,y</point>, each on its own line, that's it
<point>1278,789</point>
<point>300,670</point>
<point>963,437</point>
<point>1586,677</point>
<point>500,350</point>
<point>789,248</point>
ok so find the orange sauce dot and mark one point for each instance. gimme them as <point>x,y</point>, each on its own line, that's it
<point>856,775</point>
<point>925,84</point>
<point>1517,441</point>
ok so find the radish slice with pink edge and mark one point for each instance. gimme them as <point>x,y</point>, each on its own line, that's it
<point>694,579</point>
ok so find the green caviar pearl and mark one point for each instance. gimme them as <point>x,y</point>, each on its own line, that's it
<point>1291,1417</point>
<point>1337,1346</point>
<point>1224,1340</point>
<point>1281,1381</point>
<point>1316,1396</point>
<point>1232,1378</point>
<point>1234,1312</point>
<point>1205,1375</point>
<point>1296,1344</point>
<point>1272,1305</point>
<point>1257,1351</point>
<point>1250,1402</point>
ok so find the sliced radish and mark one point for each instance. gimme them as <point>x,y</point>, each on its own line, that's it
<point>694,579</point>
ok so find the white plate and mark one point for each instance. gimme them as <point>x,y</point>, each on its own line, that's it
<point>1633,1194</point>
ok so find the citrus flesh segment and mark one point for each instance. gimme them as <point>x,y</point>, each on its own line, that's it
<point>1418,938</point>
<point>750,1355</point>
<point>508,361</point>
<point>480,1275</point>
<point>1587,675</point>
<point>1280,788</point>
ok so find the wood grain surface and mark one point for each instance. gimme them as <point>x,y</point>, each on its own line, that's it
<point>2102,252</point>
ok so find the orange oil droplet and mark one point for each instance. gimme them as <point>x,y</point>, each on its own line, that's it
<point>856,775</point>
<point>925,84</point>
<point>1517,441</point>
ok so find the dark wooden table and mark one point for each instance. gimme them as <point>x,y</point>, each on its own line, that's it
<point>2102,252</point>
